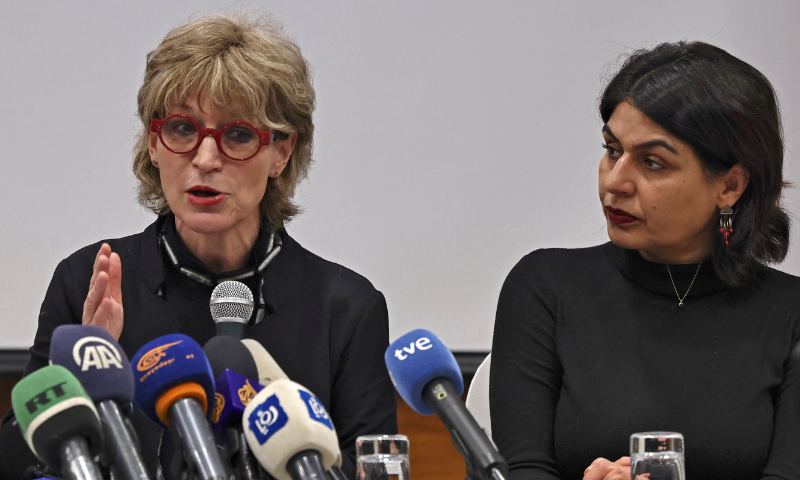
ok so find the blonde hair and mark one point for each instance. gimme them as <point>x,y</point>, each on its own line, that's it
<point>244,63</point>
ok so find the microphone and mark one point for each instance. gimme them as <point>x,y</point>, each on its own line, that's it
<point>231,307</point>
<point>98,362</point>
<point>233,393</point>
<point>232,365</point>
<point>426,374</point>
<point>173,385</point>
<point>224,352</point>
<point>59,422</point>
<point>268,369</point>
<point>290,432</point>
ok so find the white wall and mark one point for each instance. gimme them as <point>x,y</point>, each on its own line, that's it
<point>453,137</point>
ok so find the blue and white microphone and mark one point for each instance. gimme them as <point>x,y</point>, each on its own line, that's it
<point>100,364</point>
<point>427,376</point>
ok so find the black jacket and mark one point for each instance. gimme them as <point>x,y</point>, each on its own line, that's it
<point>325,325</point>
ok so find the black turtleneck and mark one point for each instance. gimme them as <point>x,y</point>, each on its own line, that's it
<point>590,346</point>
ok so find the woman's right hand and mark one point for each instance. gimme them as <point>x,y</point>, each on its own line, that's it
<point>103,305</point>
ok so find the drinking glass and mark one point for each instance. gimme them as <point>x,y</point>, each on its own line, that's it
<point>657,456</point>
<point>382,457</point>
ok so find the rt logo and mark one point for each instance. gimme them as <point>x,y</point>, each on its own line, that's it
<point>43,398</point>
<point>423,343</point>
<point>99,353</point>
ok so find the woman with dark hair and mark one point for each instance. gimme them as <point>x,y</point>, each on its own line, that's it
<point>677,324</point>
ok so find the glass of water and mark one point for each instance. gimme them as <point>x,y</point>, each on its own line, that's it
<point>382,457</point>
<point>657,456</point>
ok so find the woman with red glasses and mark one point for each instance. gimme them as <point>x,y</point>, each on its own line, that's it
<point>226,110</point>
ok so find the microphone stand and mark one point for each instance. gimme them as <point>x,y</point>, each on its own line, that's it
<point>237,455</point>
<point>472,472</point>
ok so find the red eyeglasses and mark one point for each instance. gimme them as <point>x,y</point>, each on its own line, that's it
<point>237,141</point>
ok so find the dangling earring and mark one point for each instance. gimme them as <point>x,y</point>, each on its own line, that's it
<point>726,222</point>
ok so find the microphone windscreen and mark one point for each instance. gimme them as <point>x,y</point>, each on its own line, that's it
<point>285,419</point>
<point>415,359</point>
<point>224,352</point>
<point>96,360</point>
<point>165,363</point>
<point>268,368</point>
<point>231,301</point>
<point>234,393</point>
<point>51,406</point>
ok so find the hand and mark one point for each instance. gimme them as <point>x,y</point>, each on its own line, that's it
<point>103,305</point>
<point>602,469</point>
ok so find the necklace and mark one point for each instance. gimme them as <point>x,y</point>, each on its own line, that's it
<point>273,249</point>
<point>680,300</point>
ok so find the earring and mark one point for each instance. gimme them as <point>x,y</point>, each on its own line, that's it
<point>726,222</point>
<point>155,164</point>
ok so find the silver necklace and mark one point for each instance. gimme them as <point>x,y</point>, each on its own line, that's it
<point>273,249</point>
<point>680,300</point>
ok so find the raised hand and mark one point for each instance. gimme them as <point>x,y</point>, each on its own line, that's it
<point>602,469</point>
<point>103,305</point>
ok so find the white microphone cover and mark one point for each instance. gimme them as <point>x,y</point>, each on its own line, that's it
<point>285,419</point>
<point>268,368</point>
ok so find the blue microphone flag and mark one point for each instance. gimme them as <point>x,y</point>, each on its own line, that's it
<point>234,393</point>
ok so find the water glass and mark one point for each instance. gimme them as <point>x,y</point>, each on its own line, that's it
<point>657,456</point>
<point>382,457</point>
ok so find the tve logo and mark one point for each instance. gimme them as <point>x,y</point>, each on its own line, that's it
<point>422,343</point>
<point>99,353</point>
<point>43,398</point>
<point>315,409</point>
<point>267,419</point>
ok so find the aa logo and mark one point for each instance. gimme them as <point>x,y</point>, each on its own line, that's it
<point>267,418</point>
<point>219,405</point>
<point>151,358</point>
<point>246,393</point>
<point>98,353</point>
<point>315,409</point>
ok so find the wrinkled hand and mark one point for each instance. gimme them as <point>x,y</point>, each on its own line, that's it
<point>103,305</point>
<point>602,469</point>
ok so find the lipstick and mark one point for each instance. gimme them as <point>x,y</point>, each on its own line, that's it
<point>204,195</point>
<point>619,217</point>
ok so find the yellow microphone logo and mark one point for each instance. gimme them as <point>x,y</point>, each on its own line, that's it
<point>151,358</point>
<point>246,393</point>
<point>219,405</point>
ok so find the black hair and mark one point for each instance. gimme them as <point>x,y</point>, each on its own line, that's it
<point>727,111</point>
